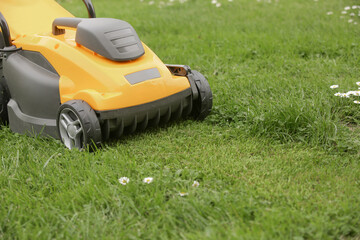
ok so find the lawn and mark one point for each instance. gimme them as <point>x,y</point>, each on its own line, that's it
<point>278,158</point>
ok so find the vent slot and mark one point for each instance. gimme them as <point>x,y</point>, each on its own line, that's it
<point>118,32</point>
<point>123,41</point>
<point>130,48</point>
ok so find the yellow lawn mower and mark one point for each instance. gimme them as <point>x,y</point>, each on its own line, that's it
<point>84,80</point>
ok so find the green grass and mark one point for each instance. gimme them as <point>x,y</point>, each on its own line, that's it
<point>277,159</point>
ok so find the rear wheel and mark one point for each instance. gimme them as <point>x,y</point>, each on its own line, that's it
<point>4,99</point>
<point>78,125</point>
<point>203,104</point>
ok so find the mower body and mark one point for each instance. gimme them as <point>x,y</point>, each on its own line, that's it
<point>55,58</point>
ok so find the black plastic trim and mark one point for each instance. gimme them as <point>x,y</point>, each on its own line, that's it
<point>39,59</point>
<point>25,124</point>
<point>34,88</point>
<point>141,116</point>
<point>144,107</point>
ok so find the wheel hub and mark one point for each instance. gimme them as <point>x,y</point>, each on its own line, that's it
<point>71,129</point>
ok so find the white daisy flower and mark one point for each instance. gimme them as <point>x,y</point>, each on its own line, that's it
<point>347,8</point>
<point>337,94</point>
<point>349,93</point>
<point>344,12</point>
<point>354,93</point>
<point>148,180</point>
<point>354,7</point>
<point>196,184</point>
<point>352,14</point>
<point>357,102</point>
<point>350,20</point>
<point>124,180</point>
<point>218,5</point>
<point>329,13</point>
<point>183,194</point>
<point>334,86</point>
<point>358,83</point>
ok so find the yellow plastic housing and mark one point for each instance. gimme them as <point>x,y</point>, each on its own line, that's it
<point>85,75</point>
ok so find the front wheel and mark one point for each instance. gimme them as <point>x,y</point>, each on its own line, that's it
<point>203,104</point>
<point>78,125</point>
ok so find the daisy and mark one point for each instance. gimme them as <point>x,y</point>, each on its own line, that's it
<point>357,102</point>
<point>334,86</point>
<point>124,180</point>
<point>183,194</point>
<point>358,83</point>
<point>196,184</point>
<point>337,94</point>
<point>349,93</point>
<point>148,180</point>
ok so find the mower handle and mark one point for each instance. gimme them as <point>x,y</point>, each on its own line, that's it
<point>90,8</point>
<point>5,31</point>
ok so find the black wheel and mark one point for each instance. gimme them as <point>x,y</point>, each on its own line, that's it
<point>78,126</point>
<point>4,99</point>
<point>203,104</point>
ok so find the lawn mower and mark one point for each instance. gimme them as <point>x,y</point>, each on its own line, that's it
<point>84,80</point>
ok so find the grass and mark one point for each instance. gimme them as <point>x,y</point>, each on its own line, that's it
<point>277,159</point>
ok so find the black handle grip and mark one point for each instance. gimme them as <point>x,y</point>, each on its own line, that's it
<point>90,8</point>
<point>5,31</point>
